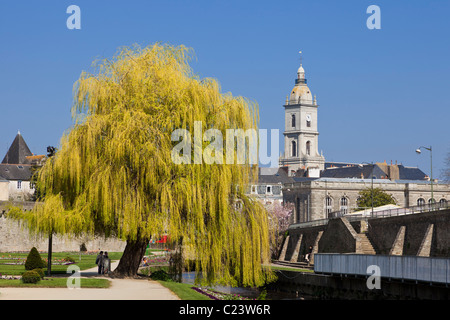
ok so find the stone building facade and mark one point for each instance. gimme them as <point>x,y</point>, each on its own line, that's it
<point>321,188</point>
<point>269,188</point>
<point>16,171</point>
<point>16,188</point>
<point>319,198</point>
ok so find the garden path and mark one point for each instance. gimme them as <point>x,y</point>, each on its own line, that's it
<point>120,289</point>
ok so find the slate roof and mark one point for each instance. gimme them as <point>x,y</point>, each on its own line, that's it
<point>18,151</point>
<point>411,173</point>
<point>15,172</point>
<point>355,171</point>
<point>273,176</point>
<point>16,164</point>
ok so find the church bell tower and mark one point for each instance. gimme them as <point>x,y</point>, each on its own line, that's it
<point>301,137</point>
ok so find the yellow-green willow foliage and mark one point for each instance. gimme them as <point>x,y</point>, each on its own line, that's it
<point>113,172</point>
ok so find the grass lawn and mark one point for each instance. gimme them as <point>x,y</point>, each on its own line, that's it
<point>87,261</point>
<point>292,269</point>
<point>55,283</point>
<point>184,291</point>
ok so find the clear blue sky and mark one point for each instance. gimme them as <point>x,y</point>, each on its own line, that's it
<point>382,93</point>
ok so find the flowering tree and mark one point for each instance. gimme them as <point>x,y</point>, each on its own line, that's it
<point>280,218</point>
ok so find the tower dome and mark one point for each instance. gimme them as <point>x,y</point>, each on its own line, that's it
<point>300,93</point>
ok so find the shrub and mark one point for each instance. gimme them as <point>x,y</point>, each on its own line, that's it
<point>40,272</point>
<point>34,260</point>
<point>160,275</point>
<point>69,259</point>
<point>31,277</point>
<point>83,247</point>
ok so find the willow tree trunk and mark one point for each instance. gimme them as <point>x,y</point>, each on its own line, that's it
<point>131,258</point>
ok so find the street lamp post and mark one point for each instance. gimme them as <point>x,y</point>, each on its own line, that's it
<point>50,153</point>
<point>431,169</point>
<point>371,178</point>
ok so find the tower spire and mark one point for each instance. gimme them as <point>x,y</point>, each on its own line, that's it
<point>300,72</point>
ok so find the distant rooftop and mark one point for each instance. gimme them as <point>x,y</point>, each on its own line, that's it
<point>273,176</point>
<point>17,152</point>
<point>379,170</point>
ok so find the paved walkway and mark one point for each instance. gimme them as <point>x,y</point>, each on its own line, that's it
<point>120,289</point>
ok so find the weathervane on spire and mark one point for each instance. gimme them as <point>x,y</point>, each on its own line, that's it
<point>301,57</point>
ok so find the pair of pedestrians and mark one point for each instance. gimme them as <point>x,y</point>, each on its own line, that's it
<point>103,262</point>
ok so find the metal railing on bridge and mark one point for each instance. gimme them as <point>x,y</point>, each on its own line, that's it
<point>413,268</point>
<point>368,214</point>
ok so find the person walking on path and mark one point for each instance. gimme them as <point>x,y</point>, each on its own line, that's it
<point>106,263</point>
<point>99,262</point>
<point>308,256</point>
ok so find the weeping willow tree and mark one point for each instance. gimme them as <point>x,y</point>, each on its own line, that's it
<point>114,174</point>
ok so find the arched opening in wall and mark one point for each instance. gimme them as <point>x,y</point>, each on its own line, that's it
<point>344,205</point>
<point>442,203</point>
<point>328,206</point>
<point>421,202</point>
<point>293,121</point>
<point>308,148</point>
<point>431,201</point>
<point>294,148</point>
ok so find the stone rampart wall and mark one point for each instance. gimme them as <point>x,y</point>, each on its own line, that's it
<point>340,236</point>
<point>16,238</point>
<point>382,232</point>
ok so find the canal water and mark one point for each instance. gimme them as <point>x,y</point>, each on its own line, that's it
<point>251,293</point>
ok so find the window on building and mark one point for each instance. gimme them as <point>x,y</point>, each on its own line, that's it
<point>442,203</point>
<point>308,123</point>
<point>308,148</point>
<point>328,205</point>
<point>269,189</point>
<point>293,120</point>
<point>420,202</point>
<point>344,205</point>
<point>431,201</point>
<point>254,190</point>
<point>19,184</point>
<point>294,148</point>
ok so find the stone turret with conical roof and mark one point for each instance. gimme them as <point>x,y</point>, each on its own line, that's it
<point>17,152</point>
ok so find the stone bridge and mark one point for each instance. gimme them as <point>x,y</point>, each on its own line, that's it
<point>422,234</point>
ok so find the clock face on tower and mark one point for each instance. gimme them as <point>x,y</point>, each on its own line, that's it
<point>308,120</point>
